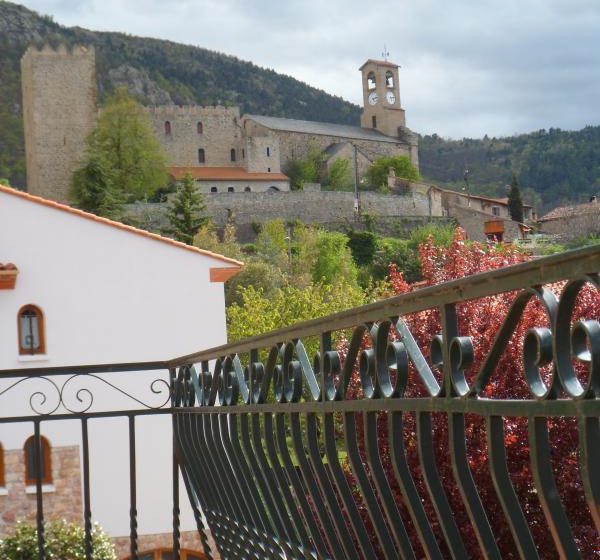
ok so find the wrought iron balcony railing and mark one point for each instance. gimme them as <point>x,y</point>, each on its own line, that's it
<point>401,429</point>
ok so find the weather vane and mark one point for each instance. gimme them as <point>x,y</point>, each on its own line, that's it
<point>385,52</point>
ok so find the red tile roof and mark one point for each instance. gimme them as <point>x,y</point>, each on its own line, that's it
<point>224,174</point>
<point>7,266</point>
<point>379,62</point>
<point>234,265</point>
<point>570,211</point>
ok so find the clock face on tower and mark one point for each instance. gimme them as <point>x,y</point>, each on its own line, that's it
<point>373,98</point>
<point>391,98</point>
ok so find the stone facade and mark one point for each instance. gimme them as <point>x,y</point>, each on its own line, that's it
<point>474,221</point>
<point>59,112</point>
<point>497,207</point>
<point>62,498</point>
<point>183,131</point>
<point>263,153</point>
<point>571,222</point>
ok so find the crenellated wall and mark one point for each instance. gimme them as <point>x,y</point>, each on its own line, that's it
<point>181,140</point>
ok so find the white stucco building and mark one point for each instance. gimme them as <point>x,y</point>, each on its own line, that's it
<point>88,290</point>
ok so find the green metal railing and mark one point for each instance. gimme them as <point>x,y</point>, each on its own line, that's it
<point>371,434</point>
<point>365,445</point>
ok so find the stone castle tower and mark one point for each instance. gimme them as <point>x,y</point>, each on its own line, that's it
<point>381,98</point>
<point>59,112</point>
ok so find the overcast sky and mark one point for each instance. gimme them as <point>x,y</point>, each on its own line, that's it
<point>468,67</point>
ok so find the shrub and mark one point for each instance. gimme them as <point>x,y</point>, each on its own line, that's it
<point>63,541</point>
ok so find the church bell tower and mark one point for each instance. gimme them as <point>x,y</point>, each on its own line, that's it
<point>381,98</point>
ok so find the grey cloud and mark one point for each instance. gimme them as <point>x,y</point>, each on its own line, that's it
<point>468,68</point>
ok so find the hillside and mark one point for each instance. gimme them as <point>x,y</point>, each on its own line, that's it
<point>553,166</point>
<point>158,72</point>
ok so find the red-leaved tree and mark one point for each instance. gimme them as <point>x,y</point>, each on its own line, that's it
<point>481,320</point>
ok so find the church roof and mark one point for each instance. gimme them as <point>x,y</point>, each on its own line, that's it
<point>321,128</point>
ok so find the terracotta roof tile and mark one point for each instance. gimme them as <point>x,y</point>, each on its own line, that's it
<point>224,174</point>
<point>7,266</point>
<point>234,265</point>
<point>379,63</point>
<point>569,211</point>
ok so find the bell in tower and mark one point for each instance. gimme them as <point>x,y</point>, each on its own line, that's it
<point>381,98</point>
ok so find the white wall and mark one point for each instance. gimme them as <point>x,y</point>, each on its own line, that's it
<point>107,295</point>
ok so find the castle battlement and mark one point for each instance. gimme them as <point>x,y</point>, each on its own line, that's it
<point>61,50</point>
<point>200,110</point>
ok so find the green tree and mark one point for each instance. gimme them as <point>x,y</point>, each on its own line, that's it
<point>123,154</point>
<point>515,202</point>
<point>258,313</point>
<point>378,172</point>
<point>340,175</point>
<point>333,259</point>
<point>207,238</point>
<point>94,189</point>
<point>305,170</point>
<point>63,540</point>
<point>185,212</point>
<point>272,244</point>
<point>363,245</point>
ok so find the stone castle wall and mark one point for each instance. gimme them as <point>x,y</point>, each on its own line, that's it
<point>391,214</point>
<point>59,112</point>
<point>218,134</point>
<point>263,154</point>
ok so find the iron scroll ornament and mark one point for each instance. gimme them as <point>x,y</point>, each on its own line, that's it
<point>384,367</point>
<point>57,396</point>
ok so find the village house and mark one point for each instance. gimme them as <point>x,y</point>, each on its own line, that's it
<point>79,289</point>
<point>570,222</point>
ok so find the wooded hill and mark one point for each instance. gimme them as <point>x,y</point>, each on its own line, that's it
<point>552,166</point>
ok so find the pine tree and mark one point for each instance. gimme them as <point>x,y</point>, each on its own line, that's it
<point>95,191</point>
<point>515,203</point>
<point>185,213</point>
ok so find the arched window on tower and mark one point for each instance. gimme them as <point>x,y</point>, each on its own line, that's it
<point>201,156</point>
<point>199,128</point>
<point>31,471</point>
<point>167,128</point>
<point>31,330</point>
<point>371,81</point>
<point>389,79</point>
<point>232,154</point>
